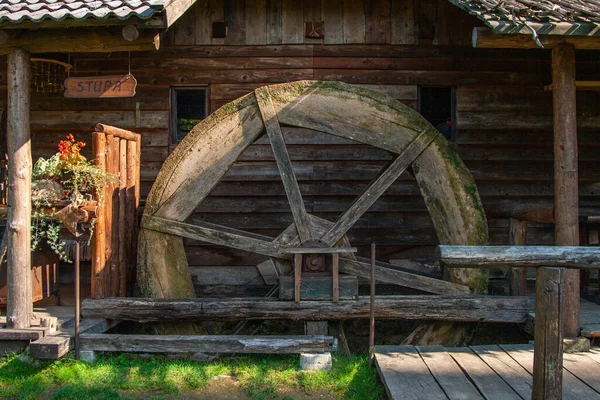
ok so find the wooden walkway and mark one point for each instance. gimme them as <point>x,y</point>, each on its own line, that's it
<point>491,372</point>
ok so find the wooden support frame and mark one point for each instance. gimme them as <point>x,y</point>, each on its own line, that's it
<point>579,257</point>
<point>446,308</point>
<point>19,305</point>
<point>518,275</point>
<point>566,181</point>
<point>224,344</point>
<point>549,333</point>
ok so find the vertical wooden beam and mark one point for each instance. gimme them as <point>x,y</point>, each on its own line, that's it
<point>566,194</point>
<point>335,269</point>
<point>297,276</point>
<point>518,276</point>
<point>99,238</point>
<point>131,212</point>
<point>114,261</point>
<point>122,226</point>
<point>19,307</point>
<point>548,347</point>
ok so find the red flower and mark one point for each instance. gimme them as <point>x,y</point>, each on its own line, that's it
<point>70,137</point>
<point>81,144</point>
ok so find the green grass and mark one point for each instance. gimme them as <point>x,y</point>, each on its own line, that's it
<point>133,377</point>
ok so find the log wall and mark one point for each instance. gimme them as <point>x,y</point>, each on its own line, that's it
<point>503,115</point>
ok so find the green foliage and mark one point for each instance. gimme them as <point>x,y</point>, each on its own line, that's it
<point>79,179</point>
<point>133,377</point>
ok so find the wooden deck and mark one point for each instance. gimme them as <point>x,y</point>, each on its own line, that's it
<point>491,372</point>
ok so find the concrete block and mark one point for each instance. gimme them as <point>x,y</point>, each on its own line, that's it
<point>315,362</point>
<point>576,345</point>
<point>88,356</point>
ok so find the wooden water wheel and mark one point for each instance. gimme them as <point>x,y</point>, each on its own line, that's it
<point>347,111</point>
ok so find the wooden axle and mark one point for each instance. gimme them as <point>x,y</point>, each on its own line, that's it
<point>449,308</point>
<point>519,256</point>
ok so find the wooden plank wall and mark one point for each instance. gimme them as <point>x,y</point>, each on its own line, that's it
<point>504,124</point>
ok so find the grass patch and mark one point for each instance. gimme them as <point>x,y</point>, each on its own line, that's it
<point>134,377</point>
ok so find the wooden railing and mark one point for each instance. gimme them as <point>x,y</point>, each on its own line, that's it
<point>114,243</point>
<point>551,262</point>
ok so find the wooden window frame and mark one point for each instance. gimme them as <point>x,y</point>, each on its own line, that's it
<point>173,107</point>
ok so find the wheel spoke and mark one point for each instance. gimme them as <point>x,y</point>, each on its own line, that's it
<point>378,187</point>
<point>284,164</point>
<point>216,234</point>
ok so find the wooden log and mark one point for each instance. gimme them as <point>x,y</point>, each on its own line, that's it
<point>519,256</point>
<point>21,334</point>
<point>19,305</point>
<point>549,313</point>
<point>447,308</point>
<point>533,211</point>
<point>518,275</point>
<point>225,344</point>
<point>99,237</point>
<point>84,41</point>
<point>130,33</point>
<point>118,132</point>
<point>114,237</point>
<point>566,190</point>
<point>130,209</point>
<point>122,224</point>
<point>484,38</point>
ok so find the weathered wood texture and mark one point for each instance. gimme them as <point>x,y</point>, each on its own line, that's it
<point>19,305</point>
<point>113,242</point>
<point>449,308</point>
<point>518,275</point>
<point>532,256</point>
<point>207,344</point>
<point>549,333</point>
<point>503,125</point>
<point>566,171</point>
<point>379,121</point>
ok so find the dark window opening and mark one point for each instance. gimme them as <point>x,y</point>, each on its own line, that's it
<point>437,105</point>
<point>188,107</point>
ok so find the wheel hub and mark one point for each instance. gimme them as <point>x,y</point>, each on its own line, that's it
<point>314,262</point>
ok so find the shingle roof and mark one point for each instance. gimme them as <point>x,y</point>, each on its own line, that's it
<point>549,17</point>
<point>58,10</point>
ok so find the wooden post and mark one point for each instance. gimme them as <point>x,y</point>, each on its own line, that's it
<point>114,238</point>
<point>297,276</point>
<point>518,276</point>
<point>122,225</point>
<point>19,307</point>
<point>548,350</point>
<point>335,270</point>
<point>131,210</point>
<point>566,194</point>
<point>99,239</point>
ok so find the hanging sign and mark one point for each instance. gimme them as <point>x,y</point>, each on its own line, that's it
<point>100,86</point>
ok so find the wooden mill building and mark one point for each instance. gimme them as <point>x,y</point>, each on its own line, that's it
<point>504,151</point>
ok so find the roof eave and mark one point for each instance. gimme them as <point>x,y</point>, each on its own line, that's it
<point>545,28</point>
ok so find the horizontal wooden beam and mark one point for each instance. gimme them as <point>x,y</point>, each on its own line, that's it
<point>208,344</point>
<point>581,85</point>
<point>446,308</point>
<point>78,40</point>
<point>155,22</point>
<point>118,132</point>
<point>519,256</point>
<point>484,38</point>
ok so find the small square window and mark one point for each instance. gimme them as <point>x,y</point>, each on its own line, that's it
<point>437,105</point>
<point>189,105</point>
